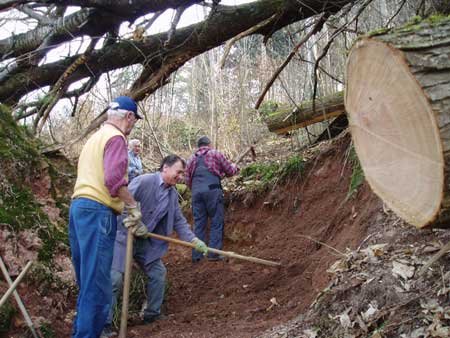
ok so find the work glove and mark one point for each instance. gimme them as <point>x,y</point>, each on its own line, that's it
<point>139,230</point>
<point>134,216</point>
<point>200,246</point>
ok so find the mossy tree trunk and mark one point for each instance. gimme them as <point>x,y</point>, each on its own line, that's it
<point>159,55</point>
<point>398,101</point>
<point>281,120</point>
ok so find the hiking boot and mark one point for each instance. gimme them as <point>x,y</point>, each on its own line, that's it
<point>151,319</point>
<point>108,332</point>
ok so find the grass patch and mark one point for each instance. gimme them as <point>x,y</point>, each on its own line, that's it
<point>293,166</point>
<point>47,331</point>
<point>138,295</point>
<point>7,312</point>
<point>266,174</point>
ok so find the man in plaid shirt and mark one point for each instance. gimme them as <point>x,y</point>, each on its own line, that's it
<point>204,171</point>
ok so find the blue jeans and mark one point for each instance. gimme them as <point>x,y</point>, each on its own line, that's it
<point>208,204</point>
<point>156,278</point>
<point>92,231</point>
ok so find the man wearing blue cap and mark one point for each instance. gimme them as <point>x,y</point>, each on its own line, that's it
<point>100,194</point>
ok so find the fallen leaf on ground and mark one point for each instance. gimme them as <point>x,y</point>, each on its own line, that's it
<point>402,270</point>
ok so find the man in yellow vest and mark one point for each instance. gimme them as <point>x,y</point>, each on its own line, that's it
<point>100,194</point>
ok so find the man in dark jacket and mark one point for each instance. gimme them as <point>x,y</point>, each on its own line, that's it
<point>204,171</point>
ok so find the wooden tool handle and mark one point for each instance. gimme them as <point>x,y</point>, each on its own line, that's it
<point>220,252</point>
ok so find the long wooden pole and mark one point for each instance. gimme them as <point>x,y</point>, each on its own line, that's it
<point>433,259</point>
<point>22,308</point>
<point>220,252</point>
<point>16,282</point>
<point>126,285</point>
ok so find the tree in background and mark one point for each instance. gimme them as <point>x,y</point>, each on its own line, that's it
<point>176,73</point>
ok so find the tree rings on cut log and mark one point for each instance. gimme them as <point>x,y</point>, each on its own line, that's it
<point>395,131</point>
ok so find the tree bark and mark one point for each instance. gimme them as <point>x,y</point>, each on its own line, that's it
<point>87,21</point>
<point>398,101</point>
<point>158,58</point>
<point>285,119</point>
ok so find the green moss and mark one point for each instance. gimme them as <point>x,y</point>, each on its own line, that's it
<point>52,236</point>
<point>15,143</point>
<point>267,108</point>
<point>417,22</point>
<point>44,277</point>
<point>414,20</point>
<point>7,312</point>
<point>436,19</point>
<point>19,208</point>
<point>378,31</point>
<point>357,177</point>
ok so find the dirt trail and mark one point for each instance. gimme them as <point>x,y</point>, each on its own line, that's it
<point>233,299</point>
<point>242,299</point>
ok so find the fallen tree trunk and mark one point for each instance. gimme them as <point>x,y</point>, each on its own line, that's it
<point>398,102</point>
<point>284,119</point>
<point>336,127</point>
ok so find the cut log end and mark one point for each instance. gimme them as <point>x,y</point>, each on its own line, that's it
<point>395,132</point>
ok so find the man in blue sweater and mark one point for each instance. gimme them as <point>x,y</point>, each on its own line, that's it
<point>161,215</point>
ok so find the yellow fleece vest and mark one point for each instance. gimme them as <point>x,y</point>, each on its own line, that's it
<point>90,176</point>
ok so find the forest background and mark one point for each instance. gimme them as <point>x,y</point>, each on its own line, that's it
<point>214,93</point>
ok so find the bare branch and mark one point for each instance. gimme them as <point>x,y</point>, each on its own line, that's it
<point>148,23</point>
<point>161,61</point>
<point>59,88</point>
<point>87,21</point>
<point>250,31</point>
<point>35,15</point>
<point>174,24</point>
<point>123,7</point>
<point>62,30</point>
<point>320,21</point>
<point>8,4</point>
<point>396,13</point>
<point>323,70</point>
<point>327,47</point>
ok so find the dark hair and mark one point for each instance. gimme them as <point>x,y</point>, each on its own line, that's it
<point>170,160</point>
<point>203,141</point>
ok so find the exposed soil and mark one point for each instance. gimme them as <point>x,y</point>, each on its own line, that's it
<point>306,224</point>
<point>233,299</point>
